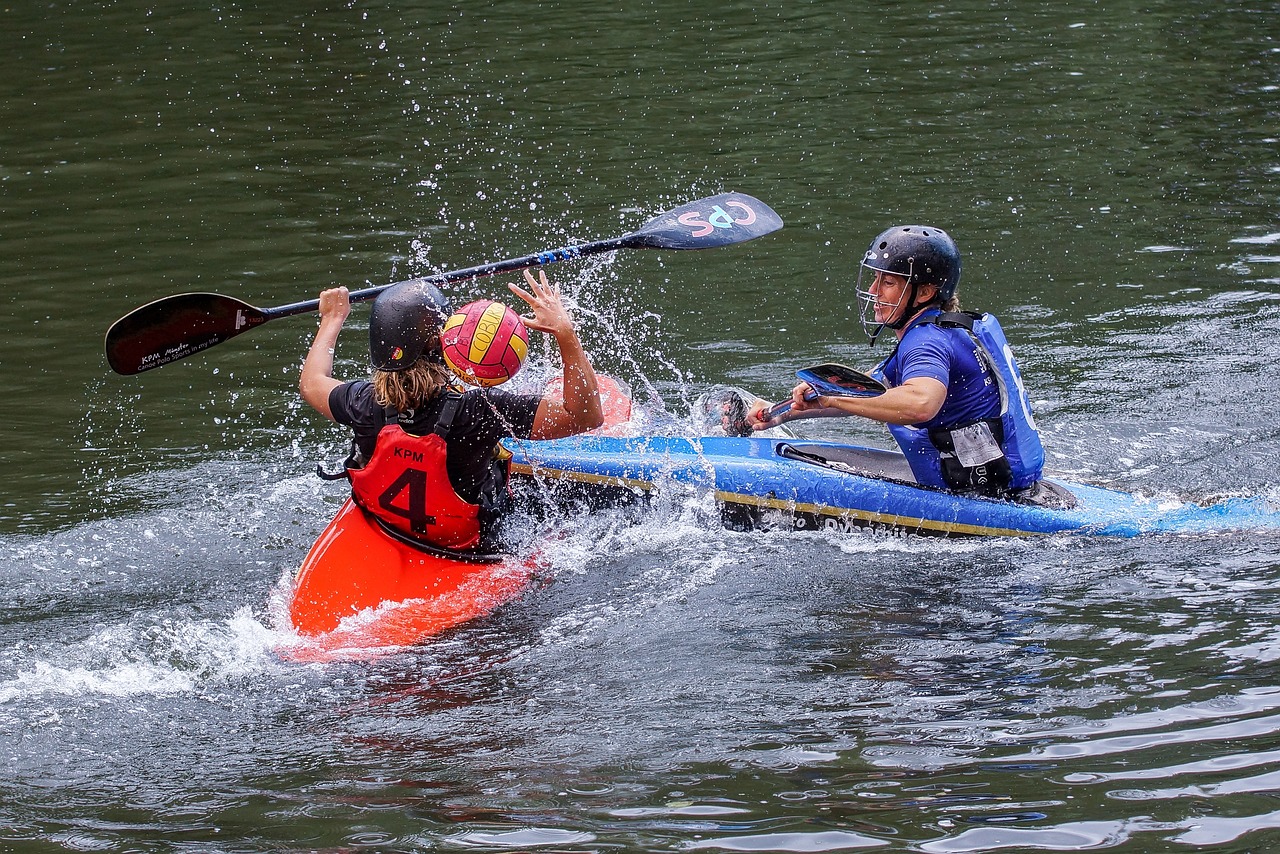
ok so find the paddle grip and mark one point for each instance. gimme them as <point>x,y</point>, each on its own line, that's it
<point>784,406</point>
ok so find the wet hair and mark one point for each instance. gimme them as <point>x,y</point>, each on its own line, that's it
<point>412,387</point>
<point>952,304</point>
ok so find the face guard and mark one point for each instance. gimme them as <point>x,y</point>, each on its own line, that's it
<point>898,312</point>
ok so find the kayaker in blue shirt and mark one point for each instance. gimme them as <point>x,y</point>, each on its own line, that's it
<point>423,462</point>
<point>955,401</point>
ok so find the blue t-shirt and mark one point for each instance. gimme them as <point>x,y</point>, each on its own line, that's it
<point>946,354</point>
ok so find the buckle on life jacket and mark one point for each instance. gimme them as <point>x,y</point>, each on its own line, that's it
<point>972,458</point>
<point>330,475</point>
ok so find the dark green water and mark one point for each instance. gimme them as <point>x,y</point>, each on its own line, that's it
<point>1112,174</point>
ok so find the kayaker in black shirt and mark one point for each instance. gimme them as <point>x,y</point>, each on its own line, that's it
<point>423,461</point>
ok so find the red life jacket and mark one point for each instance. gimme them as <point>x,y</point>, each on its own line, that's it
<point>405,485</point>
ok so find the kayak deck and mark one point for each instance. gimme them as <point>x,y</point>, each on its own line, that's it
<point>812,485</point>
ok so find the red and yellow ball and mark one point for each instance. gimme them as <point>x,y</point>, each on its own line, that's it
<point>485,343</point>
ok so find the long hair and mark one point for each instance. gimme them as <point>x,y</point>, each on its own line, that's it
<point>412,387</point>
<point>952,304</point>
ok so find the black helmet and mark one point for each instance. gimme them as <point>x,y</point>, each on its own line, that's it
<point>405,324</point>
<point>921,254</point>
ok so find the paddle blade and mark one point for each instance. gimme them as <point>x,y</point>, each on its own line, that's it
<point>715,221</point>
<point>840,380</point>
<point>176,327</point>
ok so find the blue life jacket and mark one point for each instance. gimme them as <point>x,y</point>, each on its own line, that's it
<point>1014,431</point>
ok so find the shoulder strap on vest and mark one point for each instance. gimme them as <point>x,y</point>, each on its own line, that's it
<point>963,319</point>
<point>444,421</point>
<point>444,424</point>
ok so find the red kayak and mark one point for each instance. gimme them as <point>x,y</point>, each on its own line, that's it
<point>362,591</point>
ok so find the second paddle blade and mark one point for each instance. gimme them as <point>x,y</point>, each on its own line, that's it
<point>176,327</point>
<point>839,379</point>
<point>714,221</point>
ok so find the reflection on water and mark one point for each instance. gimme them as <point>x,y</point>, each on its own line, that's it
<point>670,684</point>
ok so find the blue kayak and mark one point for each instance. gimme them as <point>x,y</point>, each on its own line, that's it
<point>823,485</point>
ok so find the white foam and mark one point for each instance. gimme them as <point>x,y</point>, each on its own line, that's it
<point>123,680</point>
<point>157,657</point>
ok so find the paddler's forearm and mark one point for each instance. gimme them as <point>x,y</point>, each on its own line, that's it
<point>316,379</point>
<point>319,359</point>
<point>581,390</point>
<point>899,405</point>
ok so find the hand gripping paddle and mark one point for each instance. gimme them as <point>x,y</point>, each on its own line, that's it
<point>832,380</point>
<point>175,327</point>
<point>828,379</point>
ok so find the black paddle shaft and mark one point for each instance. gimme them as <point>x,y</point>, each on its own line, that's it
<point>178,326</point>
<point>496,268</point>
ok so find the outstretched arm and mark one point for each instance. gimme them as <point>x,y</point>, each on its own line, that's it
<point>914,402</point>
<point>316,380</point>
<point>581,410</point>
